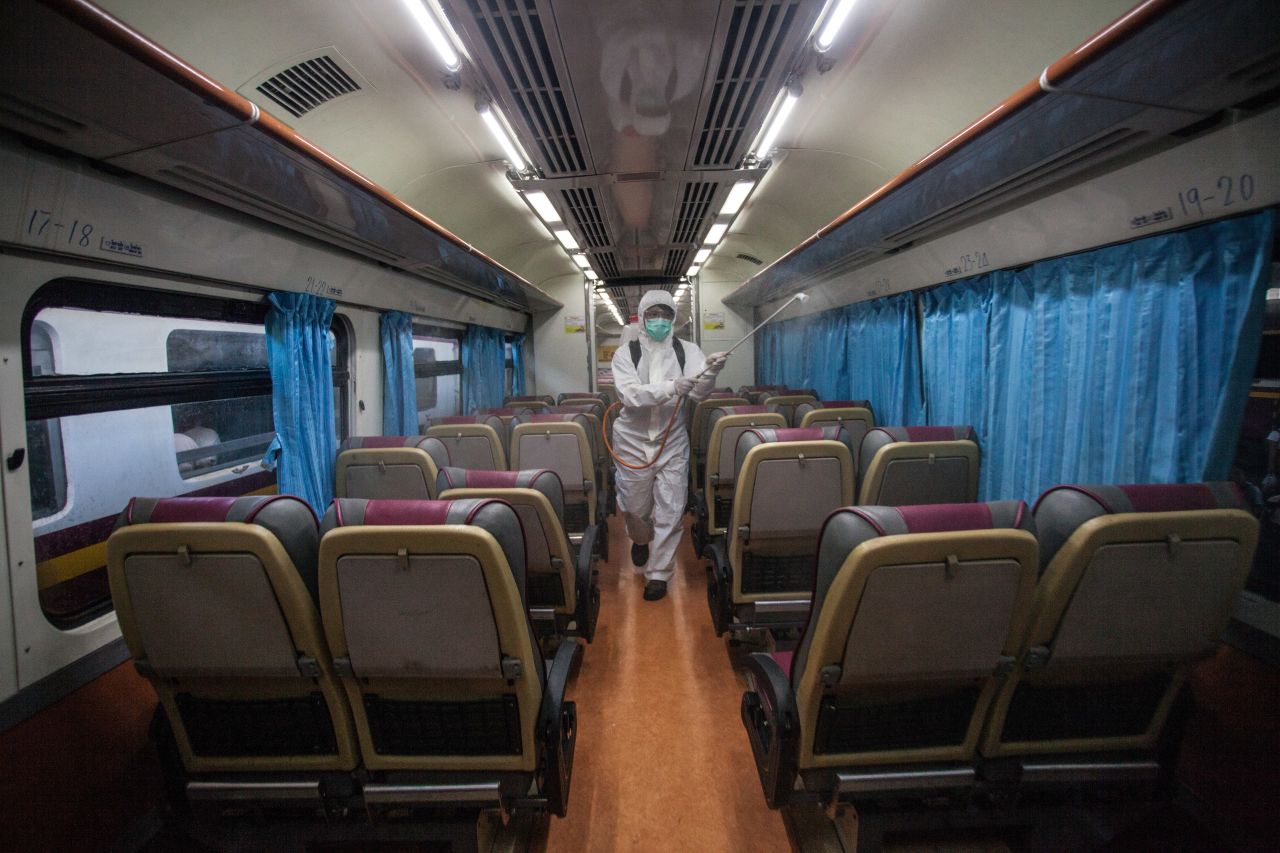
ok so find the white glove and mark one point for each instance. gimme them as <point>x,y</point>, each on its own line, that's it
<point>715,362</point>
<point>683,386</point>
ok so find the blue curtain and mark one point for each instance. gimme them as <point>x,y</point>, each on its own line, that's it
<point>517,365</point>
<point>298,355</point>
<point>868,350</point>
<point>1124,364</point>
<point>883,358</point>
<point>483,363</point>
<point>399,394</point>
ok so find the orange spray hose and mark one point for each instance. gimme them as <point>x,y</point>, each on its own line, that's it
<point>666,434</point>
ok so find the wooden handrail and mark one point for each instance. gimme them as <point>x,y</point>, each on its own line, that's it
<point>116,32</point>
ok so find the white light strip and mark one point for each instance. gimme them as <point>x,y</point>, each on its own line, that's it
<point>827,37</point>
<point>435,34</point>
<point>591,274</point>
<point>581,260</point>
<point>736,198</point>
<point>514,157</point>
<point>693,270</point>
<point>780,116</point>
<point>542,206</point>
<point>566,239</point>
<point>716,233</point>
<point>701,257</point>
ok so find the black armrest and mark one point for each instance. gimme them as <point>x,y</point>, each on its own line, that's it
<point>558,729</point>
<point>588,595</point>
<point>719,584</point>
<point>773,727</point>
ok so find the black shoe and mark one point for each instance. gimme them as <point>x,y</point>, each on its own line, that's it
<point>639,555</point>
<point>654,590</point>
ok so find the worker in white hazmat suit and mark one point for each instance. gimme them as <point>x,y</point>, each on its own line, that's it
<point>651,380</point>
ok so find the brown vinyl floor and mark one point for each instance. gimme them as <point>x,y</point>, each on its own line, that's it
<point>662,759</point>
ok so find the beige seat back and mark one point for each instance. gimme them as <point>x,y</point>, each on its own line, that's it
<point>538,499</point>
<point>216,599</point>
<point>785,401</point>
<point>725,425</point>
<point>562,444</point>
<point>916,613</point>
<point>788,482</point>
<point>423,608</point>
<point>567,398</point>
<point>1138,583</point>
<point>700,431</point>
<point>389,466</point>
<point>856,416</point>
<point>529,401</point>
<point>902,466</point>
<point>473,441</point>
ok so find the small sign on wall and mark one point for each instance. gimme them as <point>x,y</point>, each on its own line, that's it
<point>604,352</point>
<point>575,324</point>
<point>712,320</point>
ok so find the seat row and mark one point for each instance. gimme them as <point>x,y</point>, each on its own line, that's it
<point>759,517</point>
<point>392,645</point>
<point>959,648</point>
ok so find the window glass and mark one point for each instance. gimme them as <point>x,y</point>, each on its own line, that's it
<point>172,403</point>
<point>437,369</point>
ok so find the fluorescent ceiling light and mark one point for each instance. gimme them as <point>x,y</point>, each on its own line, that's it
<point>581,260</point>
<point>435,34</point>
<point>514,157</point>
<point>716,233</point>
<point>835,21</point>
<point>701,257</point>
<point>693,270</point>
<point>780,115</point>
<point>591,276</point>
<point>566,239</point>
<point>736,198</point>
<point>542,206</point>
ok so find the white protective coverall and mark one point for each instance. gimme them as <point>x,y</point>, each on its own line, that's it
<point>653,500</point>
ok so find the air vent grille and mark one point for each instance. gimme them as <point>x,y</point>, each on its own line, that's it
<point>513,33</point>
<point>695,204</point>
<point>301,88</point>
<point>757,31</point>
<point>586,213</point>
<point>751,259</point>
<point>607,264</point>
<point>677,262</point>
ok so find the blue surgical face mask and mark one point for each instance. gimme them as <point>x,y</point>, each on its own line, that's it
<point>658,329</point>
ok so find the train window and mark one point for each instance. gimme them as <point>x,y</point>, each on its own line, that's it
<point>437,370</point>
<point>508,369</point>
<point>131,392</point>
<point>340,363</point>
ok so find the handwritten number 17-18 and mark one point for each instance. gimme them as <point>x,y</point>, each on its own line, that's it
<point>78,233</point>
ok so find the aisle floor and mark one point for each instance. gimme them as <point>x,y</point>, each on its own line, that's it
<point>662,759</point>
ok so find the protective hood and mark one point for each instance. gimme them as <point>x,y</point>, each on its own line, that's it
<point>652,298</point>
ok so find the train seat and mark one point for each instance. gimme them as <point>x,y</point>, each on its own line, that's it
<point>423,607</point>
<point>917,613</point>
<point>563,443</point>
<point>785,401</point>
<point>1137,583</point>
<point>713,503</point>
<point>389,466</point>
<point>788,481</point>
<point>563,597</point>
<point>610,393</point>
<point>568,397</point>
<point>699,431</point>
<point>537,402</point>
<point>753,392</point>
<point>900,466</point>
<point>473,441</point>
<point>856,415</point>
<point>217,601</point>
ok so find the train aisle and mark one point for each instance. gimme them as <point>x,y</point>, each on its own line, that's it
<point>662,760</point>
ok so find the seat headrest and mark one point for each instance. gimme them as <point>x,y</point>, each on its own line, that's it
<point>490,514</point>
<point>543,480</point>
<point>754,388</point>
<point>880,437</point>
<point>577,409</point>
<point>1062,509</point>
<point>449,420</point>
<point>378,442</point>
<point>781,435</point>
<point>553,418</point>
<point>502,411</point>
<point>290,519</point>
<point>720,395</point>
<point>529,398</point>
<point>840,404</point>
<point>739,410</point>
<point>769,435</point>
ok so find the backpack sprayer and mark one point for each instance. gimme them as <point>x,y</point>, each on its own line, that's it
<point>799,297</point>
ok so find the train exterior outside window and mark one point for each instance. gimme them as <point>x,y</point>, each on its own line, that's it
<point>437,371</point>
